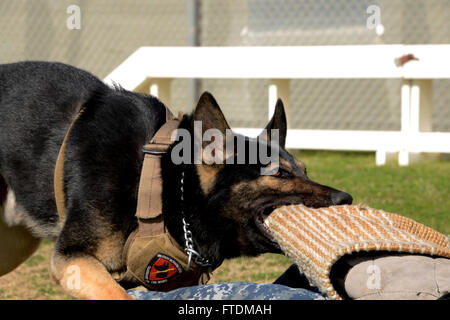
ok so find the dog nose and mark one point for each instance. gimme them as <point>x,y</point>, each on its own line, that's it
<point>339,198</point>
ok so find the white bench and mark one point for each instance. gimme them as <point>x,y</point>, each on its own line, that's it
<point>151,69</point>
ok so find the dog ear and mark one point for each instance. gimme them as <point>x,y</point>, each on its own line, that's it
<point>209,113</point>
<point>211,127</point>
<point>278,121</point>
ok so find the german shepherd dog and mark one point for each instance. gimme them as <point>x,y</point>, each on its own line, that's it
<point>225,203</point>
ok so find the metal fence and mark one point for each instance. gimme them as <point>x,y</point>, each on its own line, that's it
<point>111,30</point>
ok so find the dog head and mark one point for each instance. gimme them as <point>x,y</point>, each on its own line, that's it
<point>237,187</point>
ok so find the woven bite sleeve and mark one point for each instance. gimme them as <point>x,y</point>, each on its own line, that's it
<point>316,238</point>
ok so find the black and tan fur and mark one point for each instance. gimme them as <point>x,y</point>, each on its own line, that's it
<point>223,203</point>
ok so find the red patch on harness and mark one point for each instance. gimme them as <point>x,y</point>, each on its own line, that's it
<point>161,269</point>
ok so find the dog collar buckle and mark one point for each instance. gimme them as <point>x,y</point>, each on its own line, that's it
<point>155,148</point>
<point>154,152</point>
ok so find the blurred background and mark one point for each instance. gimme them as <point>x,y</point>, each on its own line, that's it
<point>112,30</point>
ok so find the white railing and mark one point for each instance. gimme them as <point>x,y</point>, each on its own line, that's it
<point>151,69</point>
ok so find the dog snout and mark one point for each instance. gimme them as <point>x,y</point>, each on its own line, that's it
<point>340,198</point>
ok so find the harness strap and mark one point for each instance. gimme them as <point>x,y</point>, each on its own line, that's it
<point>150,185</point>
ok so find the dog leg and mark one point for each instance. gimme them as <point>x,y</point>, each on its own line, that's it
<point>16,242</point>
<point>16,245</point>
<point>84,277</point>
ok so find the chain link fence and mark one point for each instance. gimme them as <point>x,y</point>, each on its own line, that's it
<point>112,30</point>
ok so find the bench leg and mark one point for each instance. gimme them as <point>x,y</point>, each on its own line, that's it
<point>403,155</point>
<point>158,87</point>
<point>421,106</point>
<point>380,157</point>
<point>416,113</point>
<point>161,88</point>
<point>279,88</point>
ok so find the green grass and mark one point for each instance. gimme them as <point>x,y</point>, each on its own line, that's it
<point>35,260</point>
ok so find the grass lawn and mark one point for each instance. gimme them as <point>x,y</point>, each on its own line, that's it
<point>420,191</point>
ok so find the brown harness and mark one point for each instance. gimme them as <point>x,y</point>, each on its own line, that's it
<point>152,256</point>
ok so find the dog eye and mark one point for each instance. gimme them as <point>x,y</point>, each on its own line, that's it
<point>281,173</point>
